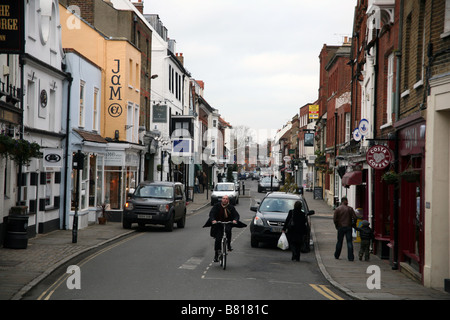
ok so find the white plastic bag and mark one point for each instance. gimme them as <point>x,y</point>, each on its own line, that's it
<point>283,243</point>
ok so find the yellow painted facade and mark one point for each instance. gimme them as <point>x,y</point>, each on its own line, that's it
<point>120,63</point>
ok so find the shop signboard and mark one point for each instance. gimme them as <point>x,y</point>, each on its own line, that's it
<point>379,157</point>
<point>12,26</point>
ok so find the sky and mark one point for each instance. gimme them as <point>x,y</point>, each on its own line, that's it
<point>259,59</point>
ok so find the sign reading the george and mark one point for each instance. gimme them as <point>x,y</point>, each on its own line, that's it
<point>314,111</point>
<point>12,26</point>
<point>379,157</point>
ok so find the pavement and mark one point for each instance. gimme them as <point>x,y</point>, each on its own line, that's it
<point>22,269</point>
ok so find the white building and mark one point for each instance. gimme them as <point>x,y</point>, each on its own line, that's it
<point>43,82</point>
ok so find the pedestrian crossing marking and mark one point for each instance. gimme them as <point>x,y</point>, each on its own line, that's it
<point>327,293</point>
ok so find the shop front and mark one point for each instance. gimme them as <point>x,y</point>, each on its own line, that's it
<point>122,173</point>
<point>411,139</point>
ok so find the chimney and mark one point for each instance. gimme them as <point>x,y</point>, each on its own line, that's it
<point>180,58</point>
<point>139,5</point>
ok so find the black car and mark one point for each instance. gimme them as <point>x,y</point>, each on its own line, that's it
<point>270,215</point>
<point>162,203</point>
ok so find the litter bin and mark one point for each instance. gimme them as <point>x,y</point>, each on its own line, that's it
<point>16,232</point>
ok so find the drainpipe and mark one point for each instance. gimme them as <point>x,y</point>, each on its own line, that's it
<point>396,152</point>
<point>69,89</point>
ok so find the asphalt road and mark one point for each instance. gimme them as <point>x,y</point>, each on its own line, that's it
<point>153,264</point>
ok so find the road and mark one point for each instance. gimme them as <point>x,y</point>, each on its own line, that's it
<point>153,264</point>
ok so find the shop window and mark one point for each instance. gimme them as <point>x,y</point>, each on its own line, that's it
<point>48,189</point>
<point>113,187</point>
<point>92,179</point>
<point>100,182</point>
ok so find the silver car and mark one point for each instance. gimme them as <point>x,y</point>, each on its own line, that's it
<point>225,189</point>
<point>268,183</point>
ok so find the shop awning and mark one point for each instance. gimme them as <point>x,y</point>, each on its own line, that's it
<point>352,178</point>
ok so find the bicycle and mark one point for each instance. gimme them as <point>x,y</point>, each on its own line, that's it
<point>223,252</point>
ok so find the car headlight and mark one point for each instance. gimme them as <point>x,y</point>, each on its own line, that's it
<point>164,208</point>
<point>257,221</point>
<point>129,206</point>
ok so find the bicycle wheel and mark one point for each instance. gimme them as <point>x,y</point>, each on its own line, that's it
<point>224,254</point>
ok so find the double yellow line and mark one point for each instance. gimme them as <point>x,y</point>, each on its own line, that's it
<point>323,290</point>
<point>48,293</point>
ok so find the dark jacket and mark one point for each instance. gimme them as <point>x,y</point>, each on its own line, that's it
<point>365,233</point>
<point>217,213</point>
<point>344,216</point>
<point>299,228</point>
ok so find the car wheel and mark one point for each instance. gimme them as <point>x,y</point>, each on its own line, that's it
<point>182,222</point>
<point>169,224</point>
<point>126,224</point>
<point>254,243</point>
<point>237,200</point>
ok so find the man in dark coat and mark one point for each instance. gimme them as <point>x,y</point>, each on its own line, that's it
<point>343,219</point>
<point>223,212</point>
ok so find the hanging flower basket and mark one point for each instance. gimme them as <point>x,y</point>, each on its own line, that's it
<point>390,177</point>
<point>410,175</point>
<point>22,151</point>
<point>6,144</point>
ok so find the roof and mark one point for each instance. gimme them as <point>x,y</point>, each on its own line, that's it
<point>90,136</point>
<point>284,195</point>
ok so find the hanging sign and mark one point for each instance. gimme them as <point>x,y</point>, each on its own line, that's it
<point>12,27</point>
<point>363,127</point>
<point>379,157</point>
<point>356,135</point>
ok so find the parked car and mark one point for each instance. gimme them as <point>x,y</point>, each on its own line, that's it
<point>268,183</point>
<point>225,189</point>
<point>271,214</point>
<point>162,203</point>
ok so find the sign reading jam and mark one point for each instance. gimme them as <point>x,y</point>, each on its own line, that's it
<point>115,93</point>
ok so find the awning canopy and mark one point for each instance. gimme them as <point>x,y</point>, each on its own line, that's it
<point>352,178</point>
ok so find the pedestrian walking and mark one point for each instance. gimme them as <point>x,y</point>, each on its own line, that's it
<point>196,185</point>
<point>295,228</point>
<point>343,218</point>
<point>200,180</point>
<point>366,235</point>
<point>205,181</point>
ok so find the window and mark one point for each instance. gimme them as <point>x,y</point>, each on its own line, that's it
<point>95,111</point>
<point>81,117</point>
<point>390,89</point>
<point>347,127</point>
<point>48,189</point>
<point>447,19</point>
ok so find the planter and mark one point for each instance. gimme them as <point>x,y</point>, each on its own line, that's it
<point>390,177</point>
<point>101,220</point>
<point>410,175</point>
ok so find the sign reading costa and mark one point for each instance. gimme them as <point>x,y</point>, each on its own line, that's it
<point>379,157</point>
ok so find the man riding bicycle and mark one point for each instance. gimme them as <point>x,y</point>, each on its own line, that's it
<point>223,212</point>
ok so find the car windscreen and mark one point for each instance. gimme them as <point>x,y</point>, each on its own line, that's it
<point>224,187</point>
<point>162,192</point>
<point>267,180</point>
<point>276,205</point>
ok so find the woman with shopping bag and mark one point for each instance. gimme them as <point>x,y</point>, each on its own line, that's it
<point>295,228</point>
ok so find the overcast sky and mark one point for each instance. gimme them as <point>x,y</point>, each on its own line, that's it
<point>258,58</point>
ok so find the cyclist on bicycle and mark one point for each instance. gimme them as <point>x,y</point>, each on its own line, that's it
<point>223,212</point>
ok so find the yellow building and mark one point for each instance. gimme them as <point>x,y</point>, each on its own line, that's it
<point>119,166</point>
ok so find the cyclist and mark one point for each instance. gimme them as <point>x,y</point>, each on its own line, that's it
<point>223,212</point>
